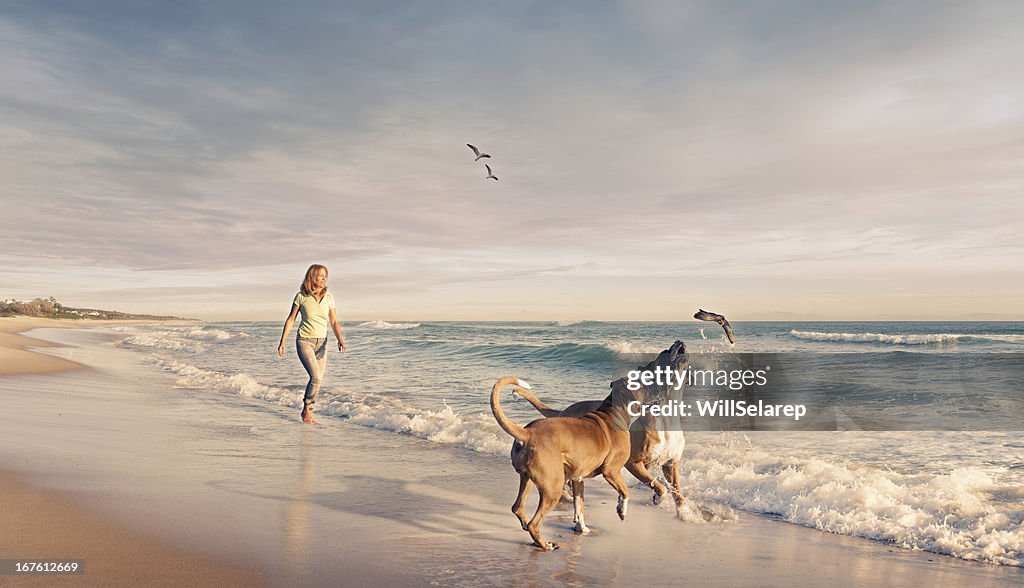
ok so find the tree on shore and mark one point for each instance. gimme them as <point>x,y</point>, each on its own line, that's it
<point>52,308</point>
<point>35,307</point>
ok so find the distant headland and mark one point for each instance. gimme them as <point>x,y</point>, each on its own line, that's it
<point>52,308</point>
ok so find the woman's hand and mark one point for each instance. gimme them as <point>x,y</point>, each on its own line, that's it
<point>341,346</point>
<point>280,349</point>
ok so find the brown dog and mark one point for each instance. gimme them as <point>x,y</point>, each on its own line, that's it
<point>654,441</point>
<point>549,452</point>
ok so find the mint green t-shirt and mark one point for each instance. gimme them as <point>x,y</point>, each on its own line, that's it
<point>315,315</point>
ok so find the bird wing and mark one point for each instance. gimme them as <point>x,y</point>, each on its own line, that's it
<point>703,315</point>
<point>475,150</point>
<point>728,330</point>
<point>489,172</point>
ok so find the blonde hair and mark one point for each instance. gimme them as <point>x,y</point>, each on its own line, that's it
<point>308,286</point>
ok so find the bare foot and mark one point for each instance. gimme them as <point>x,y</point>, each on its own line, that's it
<point>307,417</point>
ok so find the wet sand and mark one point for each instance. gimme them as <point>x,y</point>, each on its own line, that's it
<point>45,526</point>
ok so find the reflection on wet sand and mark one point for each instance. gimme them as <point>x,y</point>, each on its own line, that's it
<point>573,568</point>
<point>297,507</point>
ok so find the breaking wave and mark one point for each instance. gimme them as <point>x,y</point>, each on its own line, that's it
<point>923,339</point>
<point>477,432</point>
<point>387,325</point>
<point>951,513</point>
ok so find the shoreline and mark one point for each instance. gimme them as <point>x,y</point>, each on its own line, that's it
<point>226,479</point>
<point>17,356</point>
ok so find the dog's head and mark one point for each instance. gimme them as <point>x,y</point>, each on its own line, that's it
<point>672,358</point>
<point>623,392</point>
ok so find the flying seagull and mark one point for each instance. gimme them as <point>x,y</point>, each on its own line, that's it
<point>477,152</point>
<point>704,315</point>
<point>490,174</point>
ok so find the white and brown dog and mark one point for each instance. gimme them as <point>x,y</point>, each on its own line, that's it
<point>552,451</point>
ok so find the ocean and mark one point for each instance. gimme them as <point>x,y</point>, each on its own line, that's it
<point>928,451</point>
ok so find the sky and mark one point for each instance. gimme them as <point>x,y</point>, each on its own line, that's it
<point>767,161</point>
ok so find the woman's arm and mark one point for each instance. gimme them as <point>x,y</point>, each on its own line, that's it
<point>287,327</point>
<point>337,330</point>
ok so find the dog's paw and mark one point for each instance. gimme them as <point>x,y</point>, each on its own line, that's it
<point>656,499</point>
<point>581,529</point>
<point>551,546</point>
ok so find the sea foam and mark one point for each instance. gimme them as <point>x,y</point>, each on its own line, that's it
<point>188,338</point>
<point>479,432</point>
<point>629,348</point>
<point>387,325</point>
<point>921,339</point>
<point>951,513</point>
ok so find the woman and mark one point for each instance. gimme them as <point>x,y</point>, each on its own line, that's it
<point>317,308</point>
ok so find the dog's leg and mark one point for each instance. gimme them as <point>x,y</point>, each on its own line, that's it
<point>550,491</point>
<point>577,496</point>
<point>566,494</point>
<point>615,478</point>
<point>639,470</point>
<point>577,505</point>
<point>525,485</point>
<point>671,471</point>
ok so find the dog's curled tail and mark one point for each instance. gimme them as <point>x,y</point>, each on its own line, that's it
<point>538,404</point>
<point>520,433</point>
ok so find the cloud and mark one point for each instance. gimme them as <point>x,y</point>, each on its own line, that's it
<point>630,138</point>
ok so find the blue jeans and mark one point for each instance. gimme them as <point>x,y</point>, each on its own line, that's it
<point>313,355</point>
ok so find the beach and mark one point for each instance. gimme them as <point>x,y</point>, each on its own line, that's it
<point>814,209</point>
<point>17,359</point>
<point>148,481</point>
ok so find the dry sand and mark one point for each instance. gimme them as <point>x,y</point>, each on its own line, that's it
<point>132,473</point>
